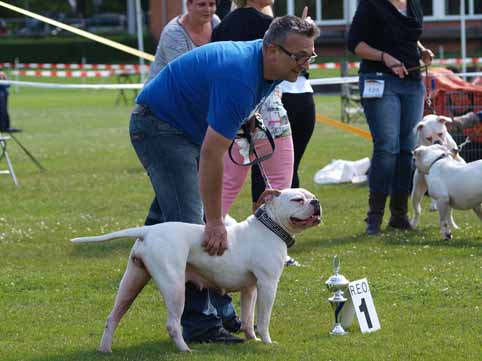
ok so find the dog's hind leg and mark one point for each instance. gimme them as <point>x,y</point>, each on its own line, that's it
<point>134,279</point>
<point>248,299</point>
<point>478,211</point>
<point>168,273</point>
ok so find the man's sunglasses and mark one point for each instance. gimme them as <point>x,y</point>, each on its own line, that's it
<point>299,59</point>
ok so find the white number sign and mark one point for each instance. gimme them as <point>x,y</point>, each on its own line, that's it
<point>363,304</point>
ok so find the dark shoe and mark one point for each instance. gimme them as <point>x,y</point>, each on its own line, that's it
<point>376,208</point>
<point>398,210</point>
<point>400,222</point>
<point>217,335</point>
<point>233,325</point>
<point>11,130</point>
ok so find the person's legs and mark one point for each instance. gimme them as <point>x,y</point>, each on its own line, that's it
<point>302,116</point>
<point>278,168</point>
<point>171,161</point>
<point>383,117</point>
<point>411,99</point>
<point>4,118</point>
<point>233,178</point>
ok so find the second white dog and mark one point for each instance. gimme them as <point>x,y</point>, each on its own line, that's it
<point>253,262</point>
<point>430,130</point>
<point>451,183</point>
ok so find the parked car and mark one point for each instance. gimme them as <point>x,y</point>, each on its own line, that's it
<point>106,23</point>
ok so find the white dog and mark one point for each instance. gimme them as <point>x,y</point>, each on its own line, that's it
<point>451,183</point>
<point>430,130</point>
<point>253,262</point>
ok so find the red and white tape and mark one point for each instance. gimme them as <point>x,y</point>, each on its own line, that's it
<point>73,74</point>
<point>134,67</point>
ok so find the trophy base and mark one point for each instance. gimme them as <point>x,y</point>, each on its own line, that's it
<point>338,330</point>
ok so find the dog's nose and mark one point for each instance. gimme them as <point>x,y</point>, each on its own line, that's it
<point>437,142</point>
<point>316,205</point>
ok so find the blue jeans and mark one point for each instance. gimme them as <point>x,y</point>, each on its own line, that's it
<point>391,120</point>
<point>4,117</point>
<point>171,161</point>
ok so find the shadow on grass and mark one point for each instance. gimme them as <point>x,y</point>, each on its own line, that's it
<point>425,238</point>
<point>160,350</point>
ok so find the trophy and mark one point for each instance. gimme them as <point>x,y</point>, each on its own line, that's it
<point>336,284</point>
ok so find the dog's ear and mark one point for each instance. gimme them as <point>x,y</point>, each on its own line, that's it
<point>419,127</point>
<point>443,119</point>
<point>266,196</point>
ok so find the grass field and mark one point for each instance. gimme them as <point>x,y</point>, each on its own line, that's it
<point>54,296</point>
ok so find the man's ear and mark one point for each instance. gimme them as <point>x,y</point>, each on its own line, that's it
<point>267,196</point>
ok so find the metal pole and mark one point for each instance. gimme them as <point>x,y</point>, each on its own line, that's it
<point>463,40</point>
<point>140,38</point>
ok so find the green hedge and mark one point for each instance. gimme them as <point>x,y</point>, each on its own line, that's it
<point>69,50</point>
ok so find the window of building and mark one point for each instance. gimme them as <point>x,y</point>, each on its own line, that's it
<point>427,7</point>
<point>478,7</point>
<point>332,10</point>
<point>452,7</point>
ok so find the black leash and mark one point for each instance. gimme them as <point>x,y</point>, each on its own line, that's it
<point>246,133</point>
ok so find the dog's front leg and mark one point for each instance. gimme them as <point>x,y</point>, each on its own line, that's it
<point>444,213</point>
<point>266,295</point>
<point>248,298</point>
<point>418,191</point>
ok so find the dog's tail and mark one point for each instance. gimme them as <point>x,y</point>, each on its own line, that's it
<point>137,232</point>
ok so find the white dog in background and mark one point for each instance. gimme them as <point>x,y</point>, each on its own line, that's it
<point>430,130</point>
<point>451,183</point>
<point>252,264</point>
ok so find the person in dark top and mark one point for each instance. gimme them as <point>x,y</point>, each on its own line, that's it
<point>4,116</point>
<point>385,35</point>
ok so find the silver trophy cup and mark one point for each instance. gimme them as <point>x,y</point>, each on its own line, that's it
<point>336,284</point>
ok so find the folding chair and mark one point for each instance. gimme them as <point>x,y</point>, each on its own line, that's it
<point>4,154</point>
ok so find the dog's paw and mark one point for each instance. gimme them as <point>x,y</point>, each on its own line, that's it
<point>413,224</point>
<point>447,236</point>
<point>433,207</point>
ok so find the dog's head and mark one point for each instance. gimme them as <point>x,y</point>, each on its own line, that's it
<point>294,209</point>
<point>426,155</point>
<point>432,129</point>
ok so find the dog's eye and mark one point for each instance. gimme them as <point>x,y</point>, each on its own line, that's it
<point>429,139</point>
<point>440,134</point>
<point>298,200</point>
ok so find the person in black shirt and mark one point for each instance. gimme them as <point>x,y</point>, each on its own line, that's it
<point>385,34</point>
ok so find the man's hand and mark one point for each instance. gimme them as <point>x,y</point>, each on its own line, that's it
<point>215,238</point>
<point>3,76</point>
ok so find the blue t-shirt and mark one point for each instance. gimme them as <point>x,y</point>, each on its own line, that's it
<point>217,85</point>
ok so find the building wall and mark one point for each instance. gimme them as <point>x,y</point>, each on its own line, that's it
<point>158,19</point>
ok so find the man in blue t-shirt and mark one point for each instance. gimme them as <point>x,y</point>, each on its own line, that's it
<point>183,123</point>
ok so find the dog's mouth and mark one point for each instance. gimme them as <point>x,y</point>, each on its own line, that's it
<point>313,220</point>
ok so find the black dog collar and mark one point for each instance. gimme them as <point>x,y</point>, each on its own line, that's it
<point>442,156</point>
<point>263,217</point>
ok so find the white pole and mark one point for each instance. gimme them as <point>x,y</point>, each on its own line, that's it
<point>463,40</point>
<point>140,38</point>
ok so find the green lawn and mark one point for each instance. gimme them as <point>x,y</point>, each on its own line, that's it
<point>54,296</point>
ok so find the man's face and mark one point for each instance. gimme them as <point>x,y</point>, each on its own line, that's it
<point>293,56</point>
<point>201,10</point>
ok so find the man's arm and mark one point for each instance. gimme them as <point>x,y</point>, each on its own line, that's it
<point>211,166</point>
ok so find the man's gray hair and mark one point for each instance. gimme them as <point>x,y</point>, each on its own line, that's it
<point>281,27</point>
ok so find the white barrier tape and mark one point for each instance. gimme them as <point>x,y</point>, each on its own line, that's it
<point>85,34</point>
<point>73,74</point>
<point>71,86</point>
<point>324,81</point>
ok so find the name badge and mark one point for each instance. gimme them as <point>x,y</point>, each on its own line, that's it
<point>373,88</point>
